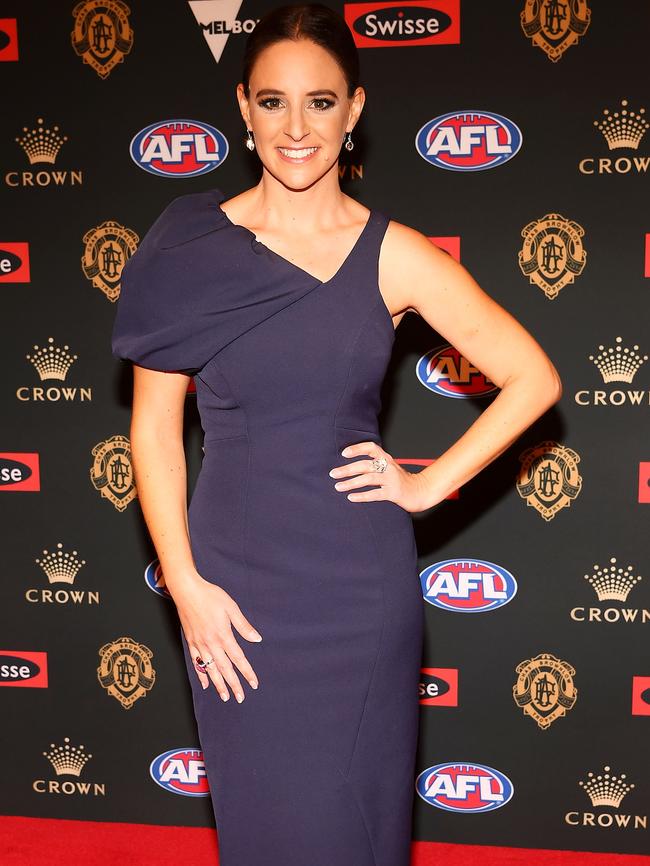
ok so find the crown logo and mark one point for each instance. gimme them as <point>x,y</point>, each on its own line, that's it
<point>617,364</point>
<point>41,145</point>
<point>60,567</point>
<point>606,790</point>
<point>67,760</point>
<point>52,362</point>
<point>623,128</point>
<point>612,584</point>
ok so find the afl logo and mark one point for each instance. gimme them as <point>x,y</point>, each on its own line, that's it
<point>181,771</point>
<point>445,371</point>
<point>469,140</point>
<point>467,585</point>
<point>457,787</point>
<point>155,580</point>
<point>179,148</point>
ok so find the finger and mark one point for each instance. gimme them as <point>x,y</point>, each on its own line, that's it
<point>227,671</point>
<point>360,481</point>
<point>213,673</point>
<point>204,679</point>
<point>237,657</point>
<point>359,448</point>
<point>243,626</point>
<point>352,469</point>
<point>375,495</point>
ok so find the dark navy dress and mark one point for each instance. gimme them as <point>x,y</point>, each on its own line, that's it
<point>317,766</point>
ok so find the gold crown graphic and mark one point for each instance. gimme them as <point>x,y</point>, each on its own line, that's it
<point>67,760</point>
<point>617,364</point>
<point>52,362</point>
<point>41,145</point>
<point>624,128</point>
<point>60,567</point>
<point>606,790</point>
<point>612,583</point>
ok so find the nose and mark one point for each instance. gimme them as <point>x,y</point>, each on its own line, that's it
<point>296,126</point>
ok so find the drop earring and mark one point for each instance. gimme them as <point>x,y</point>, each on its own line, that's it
<point>250,144</point>
<point>349,144</point>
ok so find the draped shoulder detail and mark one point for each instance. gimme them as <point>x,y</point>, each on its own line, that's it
<point>196,282</point>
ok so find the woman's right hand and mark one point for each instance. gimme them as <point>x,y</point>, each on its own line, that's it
<point>207,612</point>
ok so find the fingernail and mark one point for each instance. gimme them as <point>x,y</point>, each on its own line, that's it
<point>225,697</point>
<point>253,684</point>
<point>240,698</point>
<point>256,637</point>
<point>343,454</point>
<point>205,685</point>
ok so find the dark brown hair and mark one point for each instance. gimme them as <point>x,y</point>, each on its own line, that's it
<point>313,21</point>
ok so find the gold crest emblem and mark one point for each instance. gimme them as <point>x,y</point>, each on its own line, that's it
<point>102,34</point>
<point>106,250</point>
<point>544,688</point>
<point>112,473</point>
<point>549,478</point>
<point>125,670</point>
<point>554,26</point>
<point>552,255</point>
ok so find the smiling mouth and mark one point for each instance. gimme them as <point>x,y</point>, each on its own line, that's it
<point>297,153</point>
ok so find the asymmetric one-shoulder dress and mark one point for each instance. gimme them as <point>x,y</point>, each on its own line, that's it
<point>317,766</point>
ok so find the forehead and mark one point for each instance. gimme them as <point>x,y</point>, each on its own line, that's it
<point>296,63</point>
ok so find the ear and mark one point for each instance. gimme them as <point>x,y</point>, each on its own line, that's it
<point>243,104</point>
<point>356,105</point>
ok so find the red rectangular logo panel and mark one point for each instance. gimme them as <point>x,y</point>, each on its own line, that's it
<point>393,25</point>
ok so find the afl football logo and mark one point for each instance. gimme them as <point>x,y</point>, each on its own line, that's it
<point>181,771</point>
<point>179,148</point>
<point>457,787</point>
<point>155,580</point>
<point>469,140</point>
<point>467,585</point>
<point>445,371</point>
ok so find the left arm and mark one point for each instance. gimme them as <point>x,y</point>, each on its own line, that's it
<point>417,275</point>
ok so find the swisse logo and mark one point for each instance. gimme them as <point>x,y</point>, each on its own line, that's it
<point>385,25</point>
<point>19,471</point>
<point>178,148</point>
<point>467,585</point>
<point>23,669</point>
<point>181,771</point>
<point>155,580</point>
<point>445,371</point>
<point>469,140</point>
<point>438,687</point>
<point>14,262</point>
<point>458,787</point>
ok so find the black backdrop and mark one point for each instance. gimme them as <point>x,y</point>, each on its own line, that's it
<point>53,630</point>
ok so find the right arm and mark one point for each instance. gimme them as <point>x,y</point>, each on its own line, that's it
<point>206,611</point>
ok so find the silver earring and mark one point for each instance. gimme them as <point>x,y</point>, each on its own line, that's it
<point>349,144</point>
<point>250,144</point>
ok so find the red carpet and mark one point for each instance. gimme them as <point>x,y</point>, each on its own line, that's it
<point>51,842</point>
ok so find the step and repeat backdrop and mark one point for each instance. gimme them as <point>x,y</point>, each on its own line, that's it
<point>515,136</point>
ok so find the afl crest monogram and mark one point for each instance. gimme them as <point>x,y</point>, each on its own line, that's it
<point>102,35</point>
<point>125,670</point>
<point>544,688</point>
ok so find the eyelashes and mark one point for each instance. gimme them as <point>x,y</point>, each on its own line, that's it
<point>264,103</point>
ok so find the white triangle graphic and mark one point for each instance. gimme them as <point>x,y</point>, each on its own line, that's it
<point>207,11</point>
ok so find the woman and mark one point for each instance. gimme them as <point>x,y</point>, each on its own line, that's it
<point>282,301</point>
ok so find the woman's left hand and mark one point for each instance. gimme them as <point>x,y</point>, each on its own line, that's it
<point>394,483</point>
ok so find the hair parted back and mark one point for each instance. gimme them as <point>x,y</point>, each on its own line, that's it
<point>313,21</point>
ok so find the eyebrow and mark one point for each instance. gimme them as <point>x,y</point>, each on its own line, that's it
<point>268,90</point>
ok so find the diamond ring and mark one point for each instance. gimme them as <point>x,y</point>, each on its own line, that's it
<point>379,464</point>
<point>202,664</point>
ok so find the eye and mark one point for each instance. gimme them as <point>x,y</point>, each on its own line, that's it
<point>264,103</point>
<point>328,103</point>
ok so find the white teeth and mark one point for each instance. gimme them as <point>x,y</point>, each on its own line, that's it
<point>297,154</point>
